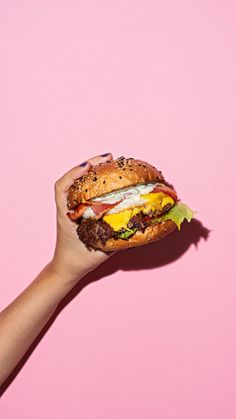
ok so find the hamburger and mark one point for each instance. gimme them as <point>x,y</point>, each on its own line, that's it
<point>124,203</point>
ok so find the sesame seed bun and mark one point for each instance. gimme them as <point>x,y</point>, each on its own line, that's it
<point>150,234</point>
<point>111,176</point>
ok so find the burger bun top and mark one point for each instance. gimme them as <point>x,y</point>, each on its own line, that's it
<point>111,176</point>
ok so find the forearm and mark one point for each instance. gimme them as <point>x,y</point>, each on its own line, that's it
<point>24,318</point>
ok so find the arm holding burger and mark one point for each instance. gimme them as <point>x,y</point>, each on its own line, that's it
<point>116,204</point>
<point>23,319</point>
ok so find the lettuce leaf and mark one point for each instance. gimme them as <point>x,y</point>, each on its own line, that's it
<point>127,233</point>
<point>177,214</point>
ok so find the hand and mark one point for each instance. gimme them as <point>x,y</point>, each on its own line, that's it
<point>72,260</point>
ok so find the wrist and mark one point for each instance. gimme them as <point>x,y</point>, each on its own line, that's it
<point>68,279</point>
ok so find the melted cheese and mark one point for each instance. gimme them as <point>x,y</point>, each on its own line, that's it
<point>121,219</point>
<point>154,201</point>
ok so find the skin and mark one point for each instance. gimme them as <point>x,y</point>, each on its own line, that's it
<point>23,319</point>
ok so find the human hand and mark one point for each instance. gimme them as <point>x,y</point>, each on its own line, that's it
<point>72,260</point>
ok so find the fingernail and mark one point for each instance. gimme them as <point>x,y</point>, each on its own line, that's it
<point>105,154</point>
<point>83,164</point>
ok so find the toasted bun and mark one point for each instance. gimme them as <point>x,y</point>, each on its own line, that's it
<point>151,233</point>
<point>111,176</point>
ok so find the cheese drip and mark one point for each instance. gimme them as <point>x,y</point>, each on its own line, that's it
<point>154,201</point>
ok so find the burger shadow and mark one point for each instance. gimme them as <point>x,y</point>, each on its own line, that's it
<point>151,256</point>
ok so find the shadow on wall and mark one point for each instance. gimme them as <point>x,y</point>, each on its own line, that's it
<point>152,256</point>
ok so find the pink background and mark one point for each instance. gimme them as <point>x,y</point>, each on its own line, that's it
<point>154,337</point>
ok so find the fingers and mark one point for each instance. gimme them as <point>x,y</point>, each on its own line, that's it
<point>64,182</point>
<point>100,159</point>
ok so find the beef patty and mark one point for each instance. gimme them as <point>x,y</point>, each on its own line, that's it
<point>90,230</point>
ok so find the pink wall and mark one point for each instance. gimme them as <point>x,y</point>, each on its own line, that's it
<point>155,336</point>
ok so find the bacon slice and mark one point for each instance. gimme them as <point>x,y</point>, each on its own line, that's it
<point>165,189</point>
<point>78,212</point>
<point>99,208</point>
